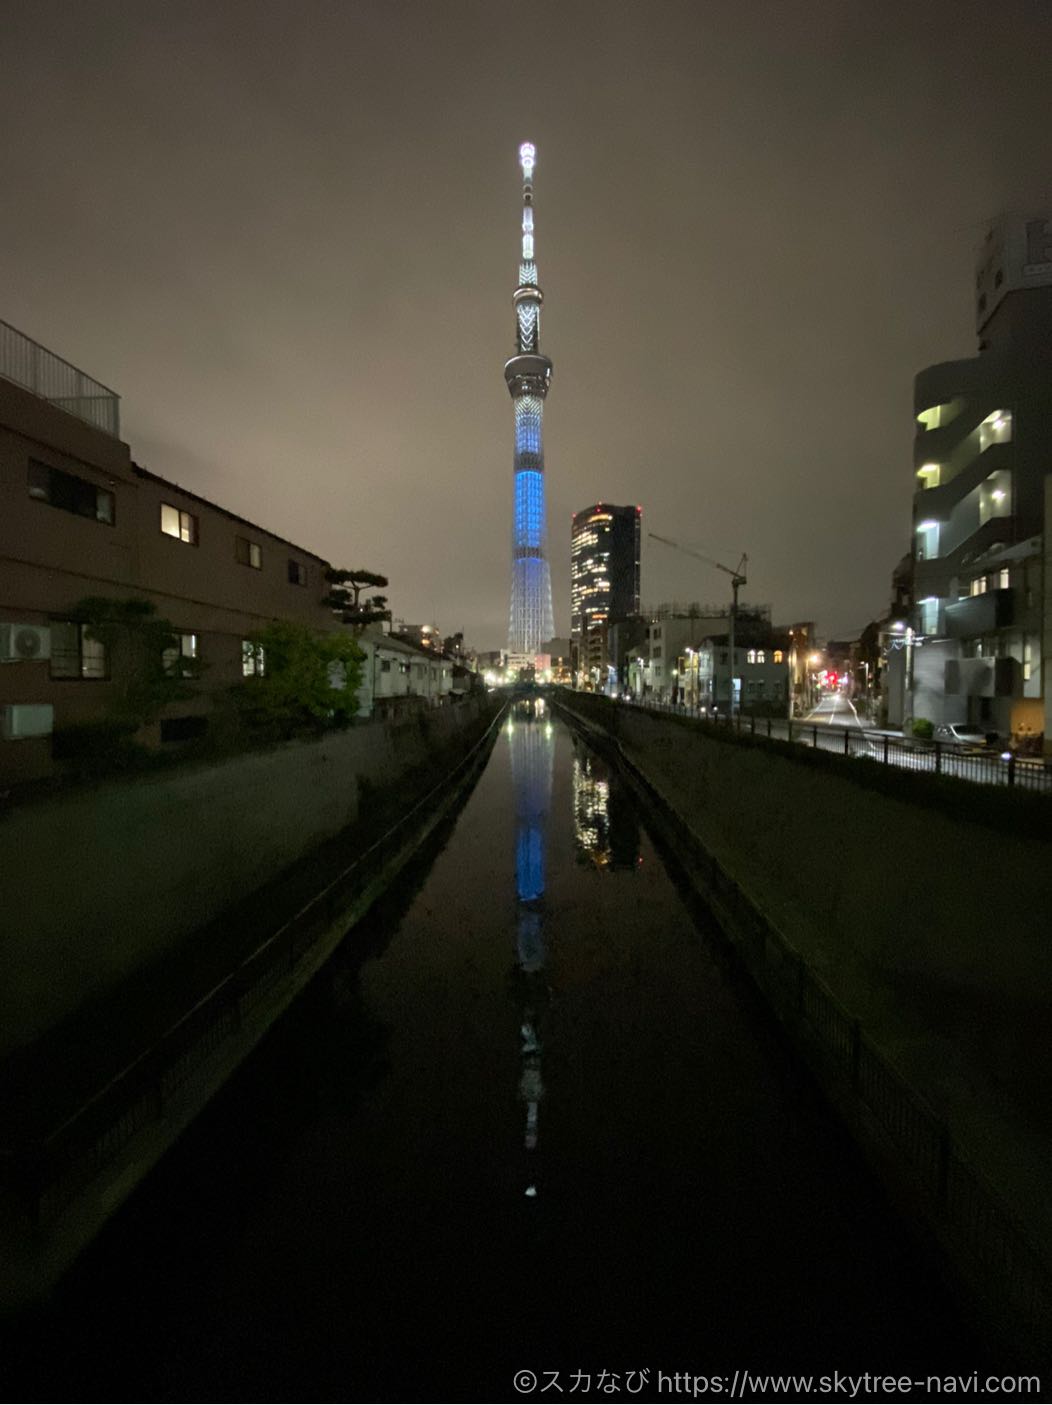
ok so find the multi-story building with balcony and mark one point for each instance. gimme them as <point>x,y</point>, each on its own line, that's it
<point>982,451</point>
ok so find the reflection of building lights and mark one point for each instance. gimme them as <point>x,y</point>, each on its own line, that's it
<point>591,806</point>
<point>926,526</point>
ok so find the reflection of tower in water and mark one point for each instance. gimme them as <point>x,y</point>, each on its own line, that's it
<point>531,743</point>
<point>606,831</point>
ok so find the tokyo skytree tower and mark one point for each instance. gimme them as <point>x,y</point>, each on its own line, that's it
<point>528,375</point>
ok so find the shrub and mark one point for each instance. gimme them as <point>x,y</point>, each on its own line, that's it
<point>310,681</point>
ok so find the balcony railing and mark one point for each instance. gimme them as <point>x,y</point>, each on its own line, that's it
<point>33,367</point>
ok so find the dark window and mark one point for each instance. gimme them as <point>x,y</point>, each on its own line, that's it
<point>385,665</point>
<point>179,524</point>
<point>71,494</point>
<point>297,572</point>
<point>248,553</point>
<point>74,654</point>
<point>982,302</point>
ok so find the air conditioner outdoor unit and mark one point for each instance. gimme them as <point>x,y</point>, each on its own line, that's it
<point>21,643</point>
<point>20,720</point>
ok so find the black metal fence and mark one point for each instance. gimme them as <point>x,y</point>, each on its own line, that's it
<point>47,1175</point>
<point>984,767</point>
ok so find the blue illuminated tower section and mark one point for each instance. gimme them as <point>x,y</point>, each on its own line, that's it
<point>529,375</point>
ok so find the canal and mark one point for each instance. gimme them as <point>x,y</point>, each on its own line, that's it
<point>526,1119</point>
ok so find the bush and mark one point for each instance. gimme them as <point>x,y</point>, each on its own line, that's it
<point>923,728</point>
<point>108,744</point>
<point>310,681</point>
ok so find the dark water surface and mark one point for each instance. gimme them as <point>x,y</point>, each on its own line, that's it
<point>525,1119</point>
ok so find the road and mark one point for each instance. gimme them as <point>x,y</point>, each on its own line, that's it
<point>835,710</point>
<point>834,725</point>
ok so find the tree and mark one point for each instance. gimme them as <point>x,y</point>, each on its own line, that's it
<point>144,657</point>
<point>345,597</point>
<point>308,679</point>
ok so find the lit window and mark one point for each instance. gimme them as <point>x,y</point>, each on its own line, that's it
<point>252,659</point>
<point>74,654</point>
<point>779,657</point>
<point>1028,660</point>
<point>750,657</point>
<point>928,475</point>
<point>1003,578</point>
<point>248,553</point>
<point>185,649</point>
<point>178,524</point>
<point>929,614</point>
<point>927,541</point>
<point>761,656</point>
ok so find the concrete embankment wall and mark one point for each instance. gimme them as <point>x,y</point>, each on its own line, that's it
<point>931,930</point>
<point>848,873</point>
<point>903,947</point>
<point>104,882</point>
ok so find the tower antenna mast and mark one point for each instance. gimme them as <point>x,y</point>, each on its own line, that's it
<point>528,375</point>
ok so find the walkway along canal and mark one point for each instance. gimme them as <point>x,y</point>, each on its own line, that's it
<point>524,1120</point>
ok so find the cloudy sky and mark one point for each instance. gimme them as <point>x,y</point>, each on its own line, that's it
<point>287,234</point>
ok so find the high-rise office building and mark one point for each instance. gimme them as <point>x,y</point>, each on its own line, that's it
<point>983,434</point>
<point>528,375</point>
<point>604,577</point>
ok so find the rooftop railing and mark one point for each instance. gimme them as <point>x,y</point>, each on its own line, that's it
<point>33,367</point>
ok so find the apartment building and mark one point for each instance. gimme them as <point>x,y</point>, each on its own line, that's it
<point>982,446</point>
<point>78,519</point>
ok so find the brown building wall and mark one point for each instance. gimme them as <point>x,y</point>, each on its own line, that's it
<point>51,558</point>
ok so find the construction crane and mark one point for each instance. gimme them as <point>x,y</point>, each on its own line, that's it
<point>738,579</point>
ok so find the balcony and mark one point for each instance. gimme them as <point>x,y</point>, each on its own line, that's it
<point>983,678</point>
<point>979,614</point>
<point>34,368</point>
<point>932,575</point>
<point>938,501</point>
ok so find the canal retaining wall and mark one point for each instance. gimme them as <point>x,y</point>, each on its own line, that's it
<point>106,882</point>
<point>908,946</point>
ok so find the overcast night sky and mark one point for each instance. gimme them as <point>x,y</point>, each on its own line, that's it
<point>287,234</point>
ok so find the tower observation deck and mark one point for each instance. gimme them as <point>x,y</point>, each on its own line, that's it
<point>528,375</point>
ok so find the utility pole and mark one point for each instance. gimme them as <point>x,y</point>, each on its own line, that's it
<point>738,579</point>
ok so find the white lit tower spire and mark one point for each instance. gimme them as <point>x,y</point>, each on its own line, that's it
<point>528,375</point>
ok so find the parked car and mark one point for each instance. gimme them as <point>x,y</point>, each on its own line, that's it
<point>963,734</point>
